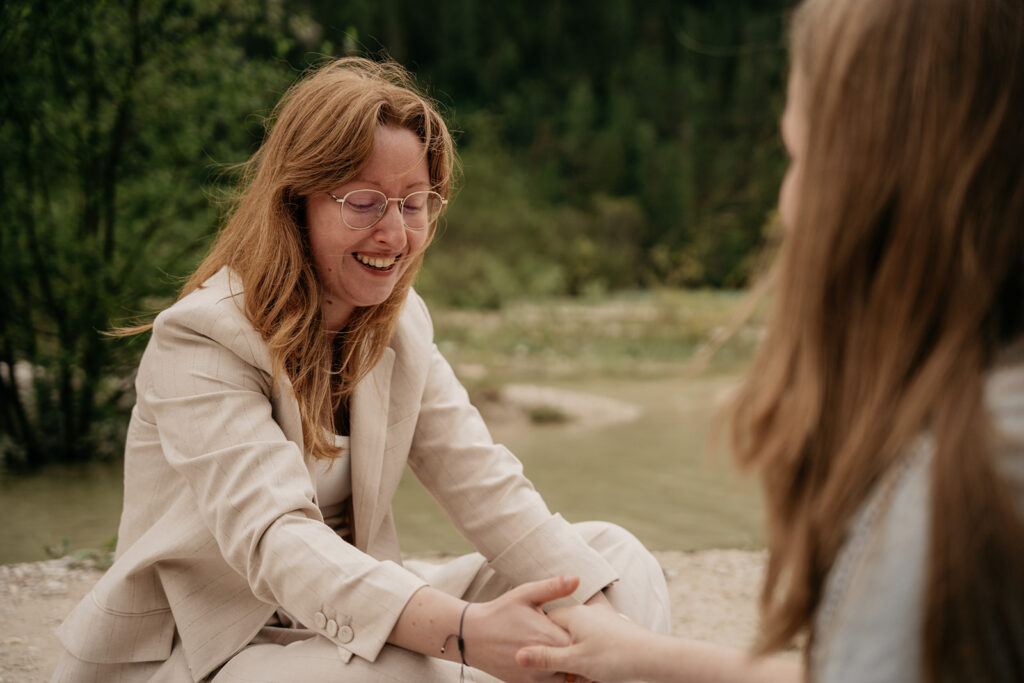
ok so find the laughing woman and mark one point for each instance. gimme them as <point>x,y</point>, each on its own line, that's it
<point>278,402</point>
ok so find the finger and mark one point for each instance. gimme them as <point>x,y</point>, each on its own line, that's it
<point>562,616</point>
<point>539,592</point>
<point>539,657</point>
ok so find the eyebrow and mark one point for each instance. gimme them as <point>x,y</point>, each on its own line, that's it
<point>376,183</point>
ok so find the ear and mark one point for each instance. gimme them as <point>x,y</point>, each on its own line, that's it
<point>295,204</point>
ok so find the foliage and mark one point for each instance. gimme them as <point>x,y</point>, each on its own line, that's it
<point>106,137</point>
<point>626,145</point>
<point>611,147</point>
<point>670,105</point>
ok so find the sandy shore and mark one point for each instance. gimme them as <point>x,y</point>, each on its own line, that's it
<point>713,593</point>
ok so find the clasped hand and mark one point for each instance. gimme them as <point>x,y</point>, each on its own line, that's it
<point>496,631</point>
<point>602,645</point>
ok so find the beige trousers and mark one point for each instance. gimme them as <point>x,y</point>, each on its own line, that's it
<point>279,655</point>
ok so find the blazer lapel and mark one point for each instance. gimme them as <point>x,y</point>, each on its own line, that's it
<point>369,422</point>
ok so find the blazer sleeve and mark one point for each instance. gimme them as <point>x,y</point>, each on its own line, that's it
<point>481,488</point>
<point>213,412</point>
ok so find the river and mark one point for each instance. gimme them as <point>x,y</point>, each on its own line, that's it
<point>652,474</point>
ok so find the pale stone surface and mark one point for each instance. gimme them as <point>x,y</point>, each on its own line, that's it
<point>34,599</point>
<point>713,592</point>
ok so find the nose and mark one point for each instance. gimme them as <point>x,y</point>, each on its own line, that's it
<point>390,229</point>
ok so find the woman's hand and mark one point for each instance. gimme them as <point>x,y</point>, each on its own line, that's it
<point>495,631</point>
<point>602,645</point>
<point>608,647</point>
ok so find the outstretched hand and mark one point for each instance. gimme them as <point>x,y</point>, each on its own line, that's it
<point>602,645</point>
<point>495,631</point>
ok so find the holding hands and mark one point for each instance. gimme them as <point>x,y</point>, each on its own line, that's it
<point>498,629</point>
<point>605,646</point>
<point>600,644</point>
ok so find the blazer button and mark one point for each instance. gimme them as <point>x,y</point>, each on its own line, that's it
<point>346,634</point>
<point>320,621</point>
<point>332,628</point>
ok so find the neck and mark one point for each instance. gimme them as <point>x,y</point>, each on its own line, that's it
<point>336,315</point>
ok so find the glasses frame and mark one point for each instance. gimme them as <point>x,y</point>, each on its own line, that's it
<point>384,210</point>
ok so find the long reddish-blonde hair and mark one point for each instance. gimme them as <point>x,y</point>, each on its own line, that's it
<point>321,135</point>
<point>898,282</point>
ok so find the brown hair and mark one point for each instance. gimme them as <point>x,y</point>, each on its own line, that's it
<point>321,134</point>
<point>899,280</point>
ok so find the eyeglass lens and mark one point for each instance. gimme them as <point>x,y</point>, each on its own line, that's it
<point>363,208</point>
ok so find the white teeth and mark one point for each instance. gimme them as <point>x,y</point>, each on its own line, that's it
<point>376,261</point>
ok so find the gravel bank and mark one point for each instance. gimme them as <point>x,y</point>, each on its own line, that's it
<point>714,594</point>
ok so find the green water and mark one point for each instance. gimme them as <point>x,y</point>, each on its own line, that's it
<point>652,475</point>
<point>63,507</point>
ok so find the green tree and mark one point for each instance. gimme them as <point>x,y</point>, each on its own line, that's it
<point>114,118</point>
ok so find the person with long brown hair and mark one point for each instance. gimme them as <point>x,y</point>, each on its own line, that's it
<point>885,409</point>
<point>278,403</point>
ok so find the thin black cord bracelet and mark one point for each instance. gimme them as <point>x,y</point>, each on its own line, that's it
<point>460,642</point>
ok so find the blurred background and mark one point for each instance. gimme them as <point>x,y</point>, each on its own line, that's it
<point>621,163</point>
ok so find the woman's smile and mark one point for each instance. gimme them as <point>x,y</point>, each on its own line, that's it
<point>378,262</point>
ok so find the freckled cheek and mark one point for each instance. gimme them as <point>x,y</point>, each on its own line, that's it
<point>417,243</point>
<point>326,251</point>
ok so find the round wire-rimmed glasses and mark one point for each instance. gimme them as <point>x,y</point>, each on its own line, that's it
<point>363,209</point>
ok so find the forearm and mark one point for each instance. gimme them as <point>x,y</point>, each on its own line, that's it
<point>668,659</point>
<point>428,619</point>
<point>607,648</point>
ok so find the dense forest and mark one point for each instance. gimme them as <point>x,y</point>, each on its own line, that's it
<point>605,145</point>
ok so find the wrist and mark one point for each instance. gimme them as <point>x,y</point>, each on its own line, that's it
<point>454,646</point>
<point>427,618</point>
<point>635,652</point>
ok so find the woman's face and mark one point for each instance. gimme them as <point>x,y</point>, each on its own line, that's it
<point>794,136</point>
<point>342,256</point>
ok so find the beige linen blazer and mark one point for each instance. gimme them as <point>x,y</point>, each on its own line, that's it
<point>220,524</point>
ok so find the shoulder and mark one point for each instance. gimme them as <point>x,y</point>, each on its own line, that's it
<point>218,297</point>
<point>215,312</point>
<point>870,619</point>
<point>869,624</point>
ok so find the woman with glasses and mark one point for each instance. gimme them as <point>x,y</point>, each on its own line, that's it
<point>278,402</point>
<point>885,409</point>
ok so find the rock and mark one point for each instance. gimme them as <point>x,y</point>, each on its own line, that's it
<point>713,595</point>
<point>53,587</point>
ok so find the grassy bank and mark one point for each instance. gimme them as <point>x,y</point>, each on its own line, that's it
<point>632,335</point>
